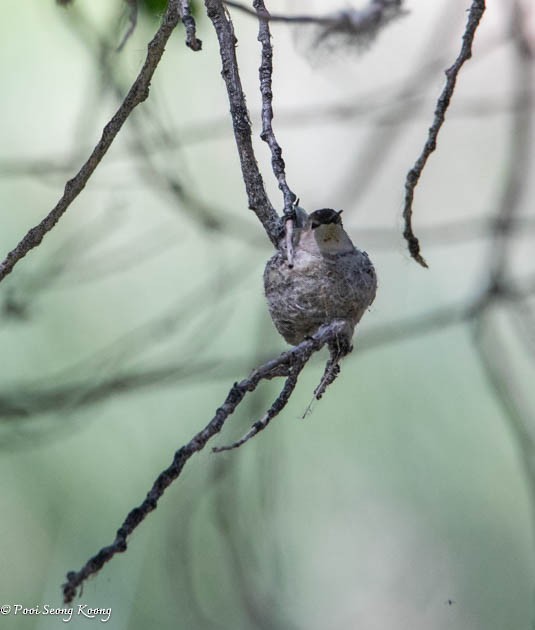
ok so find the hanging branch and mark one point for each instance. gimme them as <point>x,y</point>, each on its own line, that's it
<point>190,26</point>
<point>268,135</point>
<point>474,17</point>
<point>254,184</point>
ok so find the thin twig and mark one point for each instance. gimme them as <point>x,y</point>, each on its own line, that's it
<point>279,404</point>
<point>289,232</point>
<point>265,73</point>
<point>474,17</point>
<point>136,95</point>
<point>189,24</point>
<point>254,184</point>
<point>288,363</point>
<point>332,369</point>
<point>337,351</point>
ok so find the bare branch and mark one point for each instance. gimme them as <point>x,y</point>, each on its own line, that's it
<point>136,95</point>
<point>287,364</point>
<point>268,135</point>
<point>272,412</point>
<point>190,26</point>
<point>254,184</point>
<point>474,17</point>
<point>332,369</point>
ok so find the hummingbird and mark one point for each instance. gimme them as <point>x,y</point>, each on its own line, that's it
<point>330,279</point>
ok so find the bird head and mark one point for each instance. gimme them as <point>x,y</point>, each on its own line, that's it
<point>325,216</point>
<point>324,227</point>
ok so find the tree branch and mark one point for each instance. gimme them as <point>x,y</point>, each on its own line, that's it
<point>265,73</point>
<point>136,95</point>
<point>254,184</point>
<point>289,364</point>
<point>189,24</point>
<point>268,135</point>
<point>474,17</point>
<point>279,404</point>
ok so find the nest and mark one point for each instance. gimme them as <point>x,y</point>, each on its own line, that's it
<point>318,289</point>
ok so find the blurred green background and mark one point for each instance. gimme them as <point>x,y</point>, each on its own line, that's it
<point>404,499</point>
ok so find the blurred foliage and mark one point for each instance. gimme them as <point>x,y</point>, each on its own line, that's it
<point>155,8</point>
<point>150,8</point>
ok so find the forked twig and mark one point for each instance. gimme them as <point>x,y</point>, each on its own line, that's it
<point>288,364</point>
<point>279,404</point>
